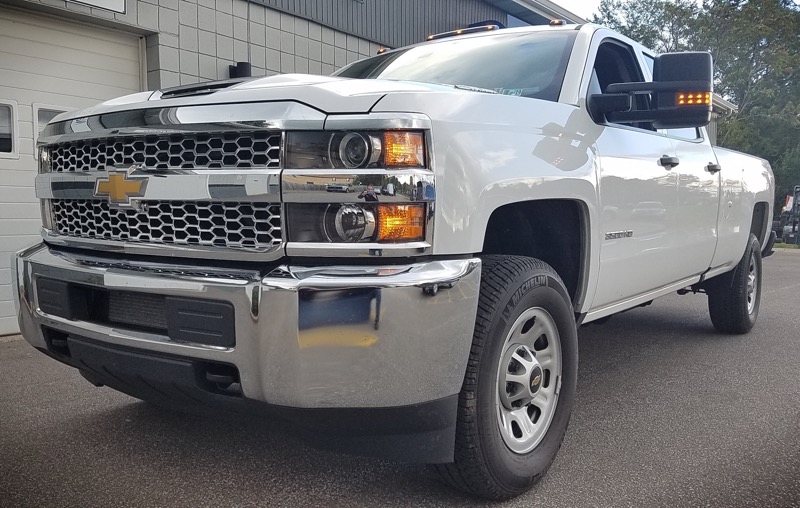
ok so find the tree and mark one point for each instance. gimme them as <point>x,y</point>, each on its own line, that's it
<point>661,25</point>
<point>755,45</point>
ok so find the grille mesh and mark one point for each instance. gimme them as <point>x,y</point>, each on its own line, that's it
<point>188,151</point>
<point>231,225</point>
<point>137,309</point>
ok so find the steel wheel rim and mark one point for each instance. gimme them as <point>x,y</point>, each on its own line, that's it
<point>524,407</point>
<point>752,280</point>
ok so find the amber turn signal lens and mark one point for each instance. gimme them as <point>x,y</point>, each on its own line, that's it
<point>401,223</point>
<point>694,99</point>
<point>403,149</point>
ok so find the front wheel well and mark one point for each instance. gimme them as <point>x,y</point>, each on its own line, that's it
<point>553,230</point>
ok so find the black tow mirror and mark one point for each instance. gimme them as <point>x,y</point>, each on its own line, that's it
<point>680,94</point>
<point>687,103</point>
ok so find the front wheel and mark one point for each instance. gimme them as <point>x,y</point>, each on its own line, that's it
<point>520,383</point>
<point>735,297</point>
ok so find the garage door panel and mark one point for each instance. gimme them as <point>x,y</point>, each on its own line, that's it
<point>24,111</point>
<point>99,71</point>
<point>8,325</point>
<point>60,64</point>
<point>20,227</point>
<point>5,293</point>
<point>47,54</point>
<point>31,96</point>
<point>13,178</point>
<point>11,244</point>
<point>15,195</point>
<point>25,129</point>
<point>25,145</point>
<point>7,307</point>
<point>58,29</point>
<point>68,87</point>
<point>79,42</point>
<point>24,163</point>
<point>21,210</point>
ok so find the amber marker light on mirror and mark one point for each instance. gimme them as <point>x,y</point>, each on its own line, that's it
<point>403,149</point>
<point>401,223</point>
<point>694,99</point>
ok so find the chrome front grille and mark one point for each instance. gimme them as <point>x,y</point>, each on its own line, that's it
<point>252,226</point>
<point>250,149</point>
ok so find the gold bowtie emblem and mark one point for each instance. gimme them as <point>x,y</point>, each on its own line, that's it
<point>119,188</point>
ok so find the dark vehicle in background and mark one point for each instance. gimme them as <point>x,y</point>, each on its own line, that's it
<point>786,226</point>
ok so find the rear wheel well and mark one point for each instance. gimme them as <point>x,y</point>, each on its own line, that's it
<point>552,230</point>
<point>760,223</point>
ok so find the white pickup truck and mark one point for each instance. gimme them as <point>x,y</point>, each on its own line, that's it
<point>542,178</point>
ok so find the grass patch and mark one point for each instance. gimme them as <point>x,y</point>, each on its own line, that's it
<point>786,246</point>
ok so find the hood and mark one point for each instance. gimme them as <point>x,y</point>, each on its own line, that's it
<point>328,94</point>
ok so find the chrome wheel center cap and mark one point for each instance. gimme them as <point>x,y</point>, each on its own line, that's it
<point>521,377</point>
<point>536,380</point>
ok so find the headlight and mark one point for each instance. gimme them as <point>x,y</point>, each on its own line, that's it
<point>348,223</point>
<point>354,149</point>
<point>353,223</point>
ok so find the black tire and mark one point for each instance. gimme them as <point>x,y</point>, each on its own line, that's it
<point>734,298</point>
<point>484,465</point>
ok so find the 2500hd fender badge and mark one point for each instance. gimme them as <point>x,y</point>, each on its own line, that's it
<point>119,188</point>
<point>619,234</point>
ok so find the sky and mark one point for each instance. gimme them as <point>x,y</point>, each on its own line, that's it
<point>583,8</point>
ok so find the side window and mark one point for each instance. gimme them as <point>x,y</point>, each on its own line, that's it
<point>43,114</point>
<point>594,84</point>
<point>690,133</point>
<point>616,63</point>
<point>650,61</point>
<point>43,117</point>
<point>8,130</point>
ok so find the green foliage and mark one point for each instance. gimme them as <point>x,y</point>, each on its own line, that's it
<point>661,25</point>
<point>756,49</point>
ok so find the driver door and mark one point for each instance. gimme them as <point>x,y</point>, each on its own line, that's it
<point>638,195</point>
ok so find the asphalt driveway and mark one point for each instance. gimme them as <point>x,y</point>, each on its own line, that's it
<point>669,413</point>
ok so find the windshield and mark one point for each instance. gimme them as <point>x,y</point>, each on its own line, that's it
<point>526,64</point>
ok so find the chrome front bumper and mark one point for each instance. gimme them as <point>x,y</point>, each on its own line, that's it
<point>411,347</point>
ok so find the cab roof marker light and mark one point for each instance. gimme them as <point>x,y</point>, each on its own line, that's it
<point>463,31</point>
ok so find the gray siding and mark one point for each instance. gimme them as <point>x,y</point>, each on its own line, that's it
<point>393,23</point>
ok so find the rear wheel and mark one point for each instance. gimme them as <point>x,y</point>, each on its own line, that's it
<point>735,297</point>
<point>519,387</point>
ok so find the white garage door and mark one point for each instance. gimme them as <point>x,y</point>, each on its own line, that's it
<point>47,65</point>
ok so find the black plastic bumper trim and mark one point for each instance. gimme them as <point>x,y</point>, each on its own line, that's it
<point>422,432</point>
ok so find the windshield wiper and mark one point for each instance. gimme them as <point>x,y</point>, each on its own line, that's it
<point>472,88</point>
